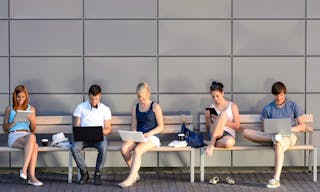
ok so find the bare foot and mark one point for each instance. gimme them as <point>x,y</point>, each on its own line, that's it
<point>209,150</point>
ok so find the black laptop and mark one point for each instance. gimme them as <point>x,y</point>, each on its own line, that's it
<point>88,133</point>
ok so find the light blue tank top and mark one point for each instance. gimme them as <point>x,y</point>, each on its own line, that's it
<point>18,125</point>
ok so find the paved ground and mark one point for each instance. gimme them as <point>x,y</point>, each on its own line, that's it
<point>164,180</point>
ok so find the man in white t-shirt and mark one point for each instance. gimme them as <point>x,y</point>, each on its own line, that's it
<point>92,113</point>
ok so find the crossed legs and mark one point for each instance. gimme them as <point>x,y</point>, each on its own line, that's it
<point>133,160</point>
<point>217,138</point>
<point>29,145</point>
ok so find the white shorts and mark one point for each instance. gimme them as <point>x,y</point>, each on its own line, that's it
<point>13,136</point>
<point>288,141</point>
<point>154,140</point>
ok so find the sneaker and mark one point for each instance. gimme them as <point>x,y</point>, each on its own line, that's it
<point>97,178</point>
<point>273,183</point>
<point>276,138</point>
<point>84,178</point>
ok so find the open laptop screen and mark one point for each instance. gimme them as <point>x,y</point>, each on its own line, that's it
<point>88,133</point>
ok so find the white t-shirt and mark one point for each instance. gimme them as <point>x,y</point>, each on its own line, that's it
<point>90,116</point>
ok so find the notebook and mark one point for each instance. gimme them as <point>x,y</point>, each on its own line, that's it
<point>88,133</point>
<point>275,126</point>
<point>135,136</point>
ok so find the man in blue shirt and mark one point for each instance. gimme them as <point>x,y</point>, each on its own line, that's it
<point>280,107</point>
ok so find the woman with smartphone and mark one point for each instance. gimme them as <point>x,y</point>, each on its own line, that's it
<point>21,133</point>
<point>222,119</point>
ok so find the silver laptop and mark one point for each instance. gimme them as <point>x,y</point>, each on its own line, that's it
<point>275,126</point>
<point>135,136</point>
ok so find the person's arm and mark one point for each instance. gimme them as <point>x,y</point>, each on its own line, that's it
<point>159,118</point>
<point>301,126</point>
<point>133,119</point>
<point>235,124</point>
<point>32,119</point>
<point>107,127</point>
<point>76,121</point>
<point>6,124</point>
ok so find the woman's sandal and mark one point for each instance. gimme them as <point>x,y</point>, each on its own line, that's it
<point>214,180</point>
<point>230,181</point>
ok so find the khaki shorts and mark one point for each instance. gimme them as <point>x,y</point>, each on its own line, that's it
<point>288,141</point>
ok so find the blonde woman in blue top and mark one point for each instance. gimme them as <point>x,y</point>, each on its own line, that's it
<point>21,134</point>
<point>147,118</point>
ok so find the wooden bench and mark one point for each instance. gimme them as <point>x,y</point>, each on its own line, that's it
<point>55,124</point>
<point>253,121</point>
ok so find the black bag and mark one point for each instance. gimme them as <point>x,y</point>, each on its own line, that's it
<point>193,139</point>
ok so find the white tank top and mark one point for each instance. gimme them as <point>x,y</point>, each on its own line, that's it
<point>229,118</point>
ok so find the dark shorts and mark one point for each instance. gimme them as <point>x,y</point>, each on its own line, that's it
<point>225,133</point>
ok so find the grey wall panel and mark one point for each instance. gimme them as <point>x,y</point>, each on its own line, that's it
<point>46,38</point>
<point>313,106</point>
<point>266,158</point>
<point>110,73</point>
<point>45,9</point>
<point>104,38</point>
<point>4,161</point>
<point>179,74</point>
<point>3,9</point>
<point>4,75</point>
<point>268,9</point>
<point>47,75</point>
<point>4,45</point>
<point>218,159</point>
<point>253,103</point>
<point>313,40</point>
<point>194,9</point>
<point>52,159</point>
<point>194,37</point>
<point>313,8</point>
<point>263,72</point>
<point>265,37</point>
<point>316,141</point>
<point>4,102</point>
<point>169,159</point>
<point>313,69</point>
<point>55,104</point>
<point>120,8</point>
<point>119,103</point>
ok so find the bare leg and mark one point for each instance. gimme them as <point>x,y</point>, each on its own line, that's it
<point>32,165</point>
<point>27,143</point>
<point>217,131</point>
<point>225,142</point>
<point>256,136</point>
<point>136,163</point>
<point>126,150</point>
<point>278,159</point>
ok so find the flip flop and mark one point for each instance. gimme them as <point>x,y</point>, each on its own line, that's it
<point>214,180</point>
<point>230,181</point>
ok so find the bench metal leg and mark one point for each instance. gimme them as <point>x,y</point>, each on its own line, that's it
<point>192,165</point>
<point>70,167</point>
<point>315,164</point>
<point>202,164</point>
<point>309,160</point>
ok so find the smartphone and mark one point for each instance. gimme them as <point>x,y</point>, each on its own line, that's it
<point>212,111</point>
